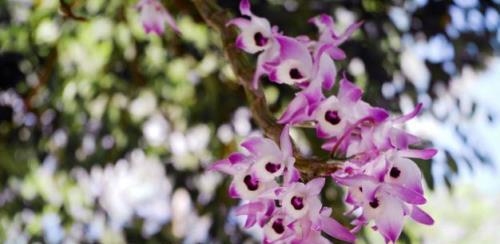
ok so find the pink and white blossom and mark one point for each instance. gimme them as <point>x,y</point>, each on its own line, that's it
<point>257,36</point>
<point>153,16</point>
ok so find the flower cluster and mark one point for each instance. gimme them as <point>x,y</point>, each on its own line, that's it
<point>287,210</point>
<point>153,17</point>
<point>383,184</point>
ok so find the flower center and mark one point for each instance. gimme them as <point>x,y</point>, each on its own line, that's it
<point>374,203</point>
<point>259,39</point>
<point>272,168</point>
<point>395,172</point>
<point>332,117</point>
<point>252,184</point>
<point>278,226</point>
<point>277,203</point>
<point>295,74</point>
<point>297,203</point>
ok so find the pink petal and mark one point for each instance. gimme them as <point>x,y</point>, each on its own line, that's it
<point>409,116</point>
<point>348,32</point>
<point>240,23</point>
<point>296,111</point>
<point>237,157</point>
<point>261,146</point>
<point>224,166</point>
<point>409,177</point>
<point>232,192</point>
<point>250,208</point>
<point>415,153</point>
<point>421,216</point>
<point>378,114</point>
<point>171,21</point>
<point>251,220</point>
<point>329,144</point>
<point>322,21</point>
<point>390,222</point>
<point>292,175</point>
<point>240,43</point>
<point>349,91</point>
<point>315,186</point>
<point>337,53</point>
<point>336,230</point>
<point>264,60</point>
<point>321,133</point>
<point>245,8</point>
<point>402,139</point>
<point>326,71</point>
<point>408,195</point>
<point>159,29</point>
<point>290,48</point>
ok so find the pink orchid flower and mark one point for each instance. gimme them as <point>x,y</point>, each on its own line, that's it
<point>387,197</point>
<point>257,36</point>
<point>335,115</point>
<point>384,136</point>
<point>329,40</point>
<point>254,172</point>
<point>302,203</point>
<point>153,17</point>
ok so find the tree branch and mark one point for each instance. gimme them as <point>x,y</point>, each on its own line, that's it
<point>44,76</point>
<point>216,17</point>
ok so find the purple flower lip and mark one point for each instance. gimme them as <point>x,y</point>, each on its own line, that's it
<point>332,117</point>
<point>272,168</point>
<point>297,203</point>
<point>295,74</point>
<point>374,203</point>
<point>260,40</point>
<point>252,184</point>
<point>278,226</point>
<point>395,172</point>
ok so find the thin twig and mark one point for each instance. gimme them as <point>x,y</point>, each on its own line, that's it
<point>67,11</point>
<point>44,76</point>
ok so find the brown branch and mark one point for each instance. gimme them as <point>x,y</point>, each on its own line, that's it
<point>44,76</point>
<point>216,17</point>
<point>67,11</point>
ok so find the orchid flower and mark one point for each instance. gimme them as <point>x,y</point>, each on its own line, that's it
<point>153,17</point>
<point>329,40</point>
<point>278,228</point>
<point>301,202</point>
<point>296,66</point>
<point>257,211</point>
<point>387,211</point>
<point>257,36</point>
<point>305,102</point>
<point>385,136</point>
<point>255,171</point>
<point>245,185</point>
<point>404,172</point>
<point>337,113</point>
<point>386,190</point>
